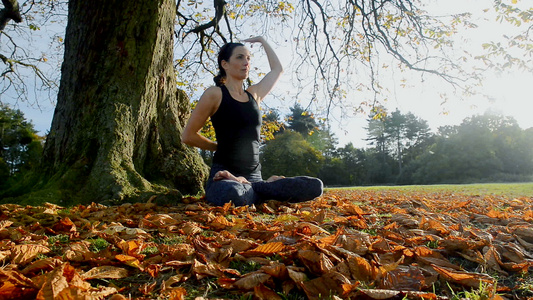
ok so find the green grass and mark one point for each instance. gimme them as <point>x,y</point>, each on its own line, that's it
<point>511,190</point>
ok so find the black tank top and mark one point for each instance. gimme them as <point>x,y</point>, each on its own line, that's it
<point>237,128</point>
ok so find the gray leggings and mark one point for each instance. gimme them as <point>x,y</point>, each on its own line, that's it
<point>292,189</point>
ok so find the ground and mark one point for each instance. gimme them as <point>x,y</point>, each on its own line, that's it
<point>365,243</point>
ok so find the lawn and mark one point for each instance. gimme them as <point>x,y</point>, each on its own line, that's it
<point>505,189</point>
<point>409,242</point>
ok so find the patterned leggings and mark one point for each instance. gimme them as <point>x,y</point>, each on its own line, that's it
<point>292,189</point>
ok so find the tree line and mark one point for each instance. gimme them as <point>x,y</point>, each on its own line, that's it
<point>403,150</point>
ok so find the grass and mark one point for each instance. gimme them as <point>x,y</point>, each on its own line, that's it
<point>504,189</point>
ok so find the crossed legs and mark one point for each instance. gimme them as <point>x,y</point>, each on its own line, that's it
<point>225,187</point>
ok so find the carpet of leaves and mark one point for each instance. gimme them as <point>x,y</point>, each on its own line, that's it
<point>347,244</point>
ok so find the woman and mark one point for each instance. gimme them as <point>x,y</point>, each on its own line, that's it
<point>236,172</point>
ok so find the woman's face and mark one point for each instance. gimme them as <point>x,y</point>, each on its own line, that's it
<point>238,65</point>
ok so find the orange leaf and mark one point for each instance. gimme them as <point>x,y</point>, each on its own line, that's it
<point>129,260</point>
<point>176,294</point>
<point>361,269</point>
<point>64,225</point>
<point>220,222</point>
<point>266,249</point>
<point>463,278</point>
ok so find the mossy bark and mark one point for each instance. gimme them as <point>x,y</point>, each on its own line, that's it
<point>116,128</point>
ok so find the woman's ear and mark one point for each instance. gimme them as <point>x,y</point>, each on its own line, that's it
<point>224,64</point>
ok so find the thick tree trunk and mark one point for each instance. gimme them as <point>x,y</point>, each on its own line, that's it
<point>117,124</point>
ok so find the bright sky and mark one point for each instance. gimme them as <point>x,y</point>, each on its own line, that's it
<point>511,93</point>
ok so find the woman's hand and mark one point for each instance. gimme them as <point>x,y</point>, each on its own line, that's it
<point>256,39</point>
<point>221,175</point>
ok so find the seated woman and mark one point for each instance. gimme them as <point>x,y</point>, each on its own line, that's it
<point>236,172</point>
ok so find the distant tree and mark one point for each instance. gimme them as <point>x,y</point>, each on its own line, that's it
<point>353,160</point>
<point>301,120</point>
<point>377,134</point>
<point>20,146</point>
<point>392,134</point>
<point>290,155</point>
<point>323,140</point>
<point>405,131</point>
<point>482,148</point>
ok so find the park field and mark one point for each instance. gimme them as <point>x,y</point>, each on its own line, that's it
<point>503,189</point>
<point>409,242</point>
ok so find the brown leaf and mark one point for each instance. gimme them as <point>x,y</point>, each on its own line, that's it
<point>264,293</point>
<point>325,285</point>
<point>54,284</point>
<point>493,260</point>
<point>5,224</point>
<point>42,265</point>
<point>78,252</point>
<point>190,228</point>
<point>464,278</point>
<point>105,272</point>
<point>404,278</point>
<point>276,270</point>
<point>201,270</point>
<point>22,254</point>
<point>251,280</point>
<point>239,245</point>
<point>15,278</point>
<point>316,262</point>
<point>297,275</point>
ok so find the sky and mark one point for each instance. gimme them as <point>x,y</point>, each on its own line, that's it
<point>511,93</point>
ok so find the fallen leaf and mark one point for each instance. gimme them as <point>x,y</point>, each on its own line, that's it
<point>109,272</point>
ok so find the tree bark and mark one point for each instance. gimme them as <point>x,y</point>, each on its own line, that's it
<point>116,128</point>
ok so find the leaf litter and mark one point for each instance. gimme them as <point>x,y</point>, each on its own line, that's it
<point>347,244</point>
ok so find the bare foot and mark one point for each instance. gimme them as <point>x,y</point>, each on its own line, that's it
<point>220,175</point>
<point>274,178</point>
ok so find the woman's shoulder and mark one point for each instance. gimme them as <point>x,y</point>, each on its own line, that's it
<point>213,90</point>
<point>212,94</point>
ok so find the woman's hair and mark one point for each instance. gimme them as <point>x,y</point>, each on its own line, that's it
<point>224,54</point>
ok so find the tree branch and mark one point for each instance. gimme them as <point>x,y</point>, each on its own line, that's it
<point>10,11</point>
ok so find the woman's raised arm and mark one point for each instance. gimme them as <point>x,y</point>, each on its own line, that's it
<point>263,87</point>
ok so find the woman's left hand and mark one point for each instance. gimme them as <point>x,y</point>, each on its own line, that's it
<point>256,39</point>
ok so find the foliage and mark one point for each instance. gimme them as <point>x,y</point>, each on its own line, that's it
<point>485,147</point>
<point>301,121</point>
<point>290,155</point>
<point>349,244</point>
<point>20,146</point>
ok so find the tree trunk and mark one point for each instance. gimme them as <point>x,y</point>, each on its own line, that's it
<point>116,128</point>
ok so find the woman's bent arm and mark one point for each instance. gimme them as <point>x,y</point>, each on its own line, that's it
<point>206,107</point>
